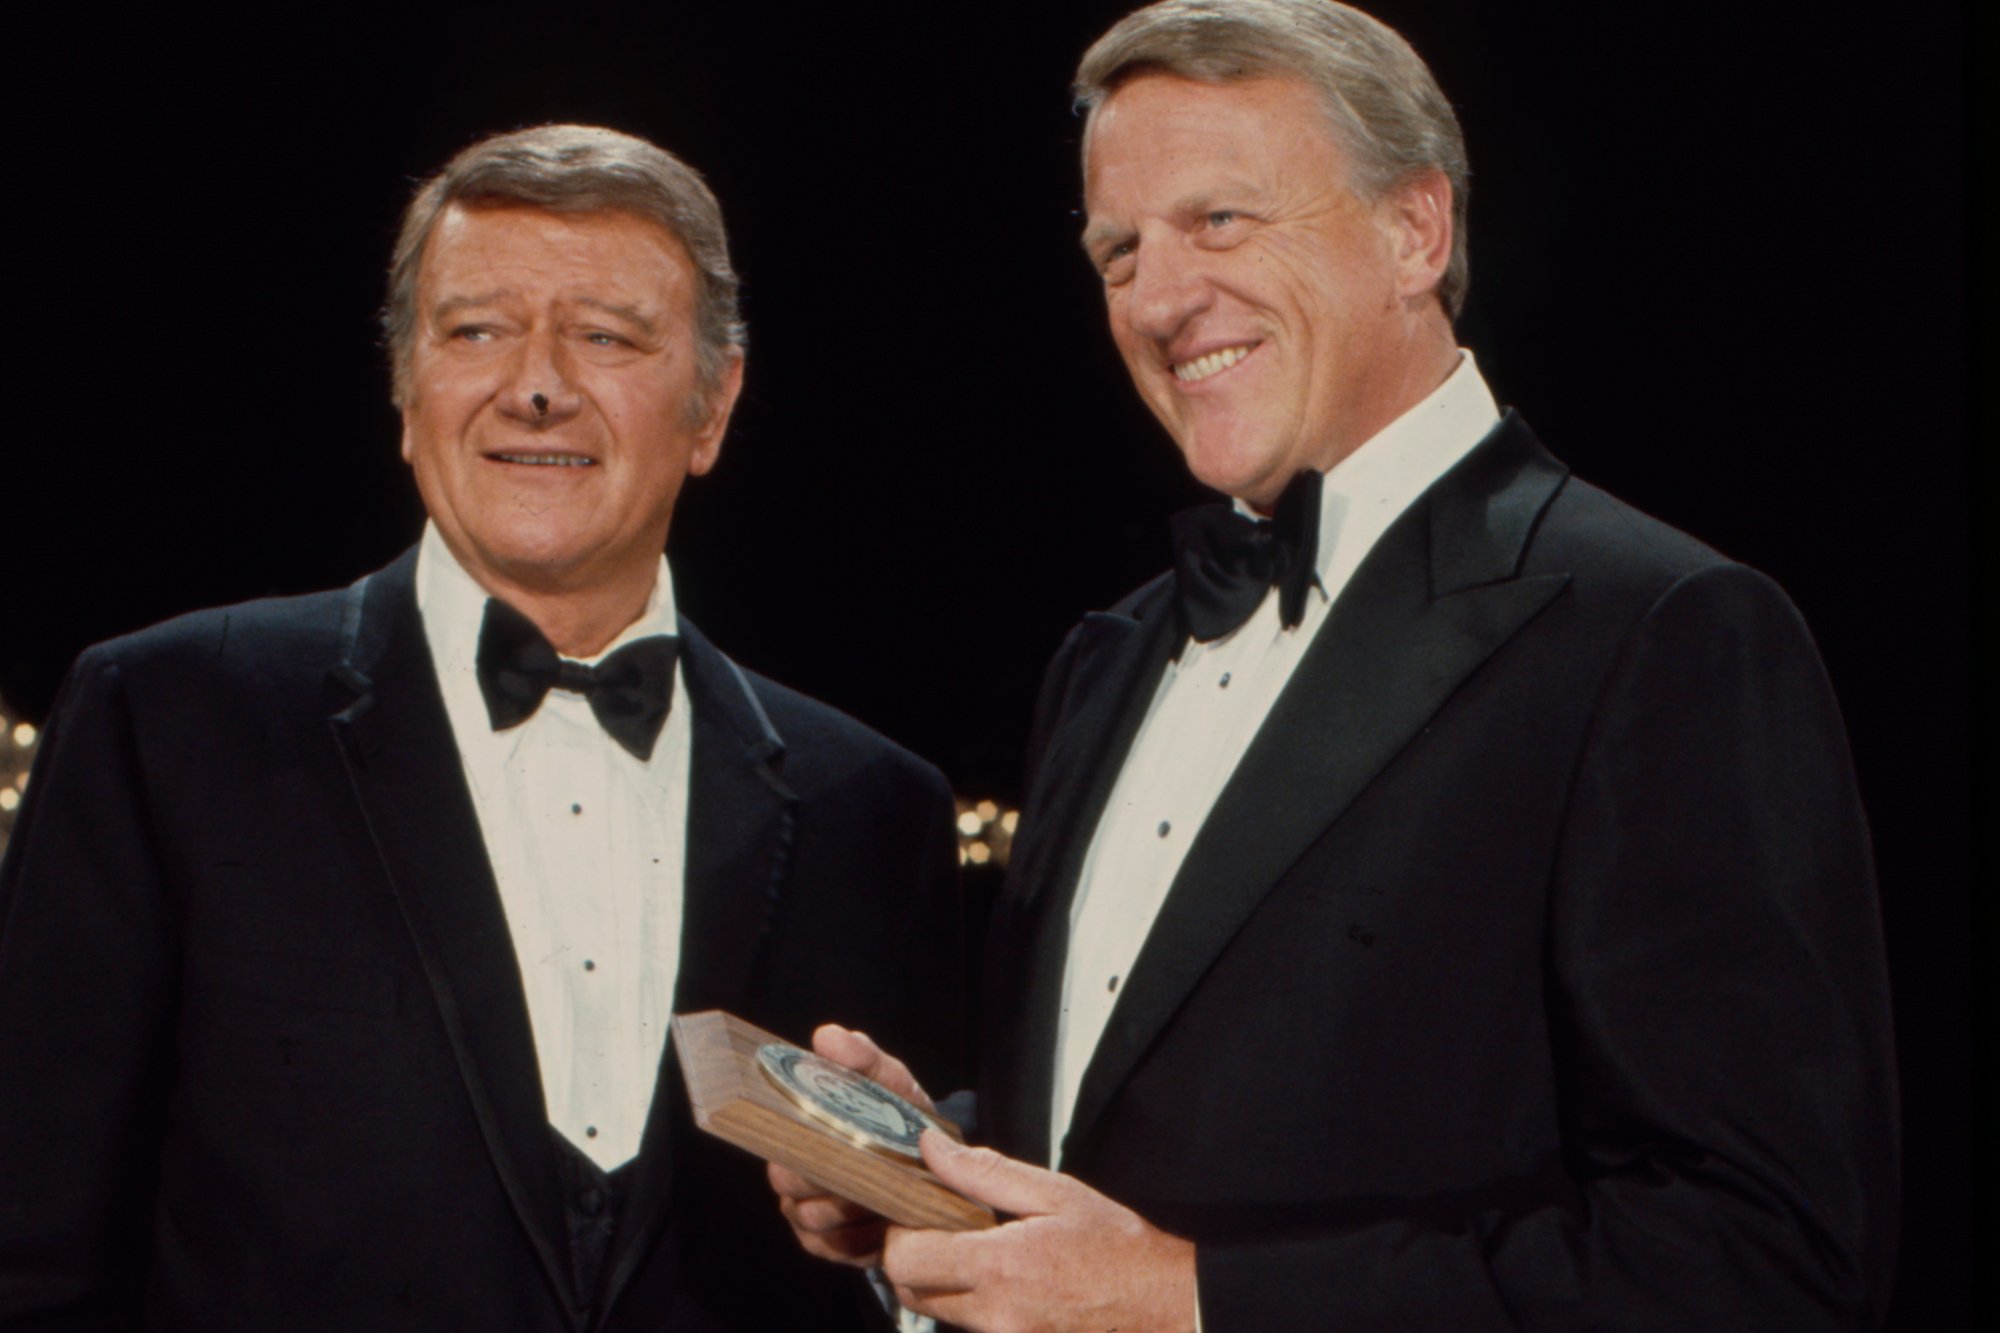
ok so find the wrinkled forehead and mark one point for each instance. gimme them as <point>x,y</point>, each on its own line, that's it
<point>1161,134</point>
<point>504,246</point>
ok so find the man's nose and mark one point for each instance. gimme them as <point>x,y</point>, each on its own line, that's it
<point>540,389</point>
<point>1169,287</point>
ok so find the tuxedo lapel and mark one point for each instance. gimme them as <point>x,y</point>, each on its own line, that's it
<point>1115,665</point>
<point>1434,599</point>
<point>1115,668</point>
<point>389,720</point>
<point>739,839</point>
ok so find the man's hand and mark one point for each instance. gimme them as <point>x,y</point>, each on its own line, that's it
<point>1071,1259</point>
<point>826,1224</point>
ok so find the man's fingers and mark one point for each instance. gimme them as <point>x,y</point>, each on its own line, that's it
<point>826,1213</point>
<point>998,1182</point>
<point>947,1307</point>
<point>928,1263</point>
<point>858,1052</point>
<point>828,1226</point>
<point>789,1184</point>
<point>812,1208</point>
<point>856,1246</point>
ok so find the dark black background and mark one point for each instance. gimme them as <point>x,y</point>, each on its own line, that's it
<point>1719,261</point>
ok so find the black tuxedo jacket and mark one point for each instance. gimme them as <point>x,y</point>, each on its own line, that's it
<point>265,1058</point>
<point>1527,973</point>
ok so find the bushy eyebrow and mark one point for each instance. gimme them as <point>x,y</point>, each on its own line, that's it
<point>452,305</point>
<point>620,310</point>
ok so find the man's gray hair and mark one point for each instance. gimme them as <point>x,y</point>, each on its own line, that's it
<point>1387,110</point>
<point>575,169</point>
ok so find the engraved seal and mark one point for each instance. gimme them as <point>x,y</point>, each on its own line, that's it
<point>859,1109</point>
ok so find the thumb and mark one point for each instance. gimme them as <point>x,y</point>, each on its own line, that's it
<point>981,1174</point>
<point>858,1051</point>
<point>846,1046</point>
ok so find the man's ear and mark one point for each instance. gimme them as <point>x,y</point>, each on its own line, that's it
<point>1418,213</point>
<point>721,402</point>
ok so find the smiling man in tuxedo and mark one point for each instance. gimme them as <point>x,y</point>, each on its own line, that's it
<point>1442,900</point>
<point>341,933</point>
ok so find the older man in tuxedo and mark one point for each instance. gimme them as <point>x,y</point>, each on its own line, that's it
<point>1442,900</point>
<point>341,932</point>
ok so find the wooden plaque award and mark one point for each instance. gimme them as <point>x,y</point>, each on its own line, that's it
<point>844,1133</point>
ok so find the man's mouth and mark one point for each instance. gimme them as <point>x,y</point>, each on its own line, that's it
<point>1201,367</point>
<point>546,460</point>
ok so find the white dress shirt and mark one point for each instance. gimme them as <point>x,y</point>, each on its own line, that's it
<point>587,845</point>
<point>1208,708</point>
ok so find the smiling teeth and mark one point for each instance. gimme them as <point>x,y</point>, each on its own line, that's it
<point>1187,372</point>
<point>547,460</point>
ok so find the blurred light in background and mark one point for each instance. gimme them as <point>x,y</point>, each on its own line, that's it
<point>985,832</point>
<point>17,753</point>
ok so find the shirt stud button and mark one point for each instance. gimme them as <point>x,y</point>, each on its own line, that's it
<point>1113,986</point>
<point>1224,682</point>
<point>576,809</point>
<point>590,1131</point>
<point>1165,828</point>
<point>589,966</point>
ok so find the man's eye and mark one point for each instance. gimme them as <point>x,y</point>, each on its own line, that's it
<point>1115,259</point>
<point>601,339</point>
<point>1221,217</point>
<point>472,333</point>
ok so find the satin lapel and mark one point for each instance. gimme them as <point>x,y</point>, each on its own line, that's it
<point>739,839</point>
<point>739,842</point>
<point>1116,666</point>
<point>390,723</point>
<point>1434,599</point>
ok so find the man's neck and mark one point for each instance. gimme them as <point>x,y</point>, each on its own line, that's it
<point>1428,361</point>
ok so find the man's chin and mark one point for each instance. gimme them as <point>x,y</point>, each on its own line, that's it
<point>539,567</point>
<point>1239,472</point>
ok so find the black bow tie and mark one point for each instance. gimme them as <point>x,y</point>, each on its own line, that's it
<point>629,691</point>
<point>1226,562</point>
